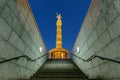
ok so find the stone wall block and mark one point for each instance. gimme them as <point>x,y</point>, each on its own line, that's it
<point>22,61</point>
<point>34,48</point>
<point>38,62</point>
<point>94,73</point>
<point>103,40</point>
<point>8,15</point>
<point>13,38</point>
<point>28,52</point>
<point>89,52</point>
<point>14,6</point>
<point>113,49</point>
<point>4,29</point>
<point>4,71</point>
<point>2,46</point>
<point>117,5</point>
<point>27,38</point>
<point>13,73</point>
<point>111,72</point>
<point>31,65</point>
<point>111,14</point>
<point>27,28</point>
<point>92,39</point>
<point>17,41</point>
<point>21,45</point>
<point>23,74</point>
<point>8,50</point>
<point>99,43</point>
<point>36,67</point>
<point>114,28</point>
<point>2,3</point>
<point>18,53</point>
<point>102,25</point>
<point>18,27</point>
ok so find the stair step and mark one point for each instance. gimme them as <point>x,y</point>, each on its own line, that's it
<point>59,70</point>
<point>58,79</point>
<point>59,73</point>
<point>60,76</point>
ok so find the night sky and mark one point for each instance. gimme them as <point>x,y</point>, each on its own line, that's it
<point>73,13</point>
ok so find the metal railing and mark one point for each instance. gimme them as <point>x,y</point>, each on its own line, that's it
<point>23,56</point>
<point>96,56</point>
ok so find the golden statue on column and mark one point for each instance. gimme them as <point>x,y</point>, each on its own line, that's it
<point>58,52</point>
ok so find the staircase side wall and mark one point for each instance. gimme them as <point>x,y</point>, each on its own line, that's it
<point>100,35</point>
<point>19,35</point>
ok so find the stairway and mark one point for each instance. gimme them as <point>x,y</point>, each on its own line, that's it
<point>59,70</point>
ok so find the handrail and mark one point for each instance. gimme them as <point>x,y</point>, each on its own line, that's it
<point>23,56</point>
<point>96,56</point>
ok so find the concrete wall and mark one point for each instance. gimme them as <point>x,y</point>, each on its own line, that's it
<point>100,35</point>
<point>19,35</point>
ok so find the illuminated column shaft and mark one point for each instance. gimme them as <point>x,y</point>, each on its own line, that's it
<point>59,32</point>
<point>59,37</point>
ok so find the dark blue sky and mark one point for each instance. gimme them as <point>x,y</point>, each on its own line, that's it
<point>73,13</point>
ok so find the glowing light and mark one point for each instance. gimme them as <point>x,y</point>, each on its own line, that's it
<point>40,49</point>
<point>78,49</point>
